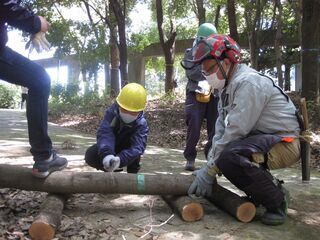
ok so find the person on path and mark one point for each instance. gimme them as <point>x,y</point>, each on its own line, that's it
<point>16,69</point>
<point>24,97</point>
<point>201,103</point>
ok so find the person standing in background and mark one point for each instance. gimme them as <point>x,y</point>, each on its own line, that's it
<point>201,103</point>
<point>24,96</point>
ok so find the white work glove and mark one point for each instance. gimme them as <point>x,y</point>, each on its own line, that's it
<point>203,183</point>
<point>111,163</point>
<point>39,42</point>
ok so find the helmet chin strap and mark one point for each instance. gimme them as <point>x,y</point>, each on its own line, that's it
<point>224,74</point>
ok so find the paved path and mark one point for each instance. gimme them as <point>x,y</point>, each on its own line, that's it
<point>126,215</point>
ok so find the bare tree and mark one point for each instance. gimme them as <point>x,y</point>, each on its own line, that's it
<point>168,46</point>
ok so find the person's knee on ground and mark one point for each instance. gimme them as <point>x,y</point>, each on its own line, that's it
<point>256,182</point>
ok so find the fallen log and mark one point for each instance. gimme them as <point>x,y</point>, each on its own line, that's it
<point>188,209</point>
<point>232,203</point>
<point>48,219</point>
<point>64,182</point>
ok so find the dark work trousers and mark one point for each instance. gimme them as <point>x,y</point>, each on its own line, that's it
<point>195,113</point>
<point>93,159</point>
<point>235,162</point>
<point>15,68</point>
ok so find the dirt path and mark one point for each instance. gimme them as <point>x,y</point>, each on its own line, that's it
<point>121,216</point>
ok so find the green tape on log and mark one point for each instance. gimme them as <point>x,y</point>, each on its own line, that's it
<point>141,183</point>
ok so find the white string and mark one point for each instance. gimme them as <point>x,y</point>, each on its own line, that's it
<point>154,225</point>
<point>158,225</point>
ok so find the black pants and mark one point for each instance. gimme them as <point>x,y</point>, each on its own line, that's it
<point>235,162</point>
<point>93,159</point>
<point>14,68</point>
<point>196,112</point>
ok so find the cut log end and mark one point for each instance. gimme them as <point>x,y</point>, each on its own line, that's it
<point>246,212</point>
<point>192,212</point>
<point>41,231</point>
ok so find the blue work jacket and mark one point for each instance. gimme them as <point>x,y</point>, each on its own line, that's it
<point>13,14</point>
<point>125,140</point>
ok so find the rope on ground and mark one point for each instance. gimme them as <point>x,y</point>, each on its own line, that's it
<point>151,226</point>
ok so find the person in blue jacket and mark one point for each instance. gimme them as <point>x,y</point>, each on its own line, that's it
<point>122,134</point>
<point>17,69</point>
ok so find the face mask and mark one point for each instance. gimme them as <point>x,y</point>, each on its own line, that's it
<point>127,118</point>
<point>215,82</point>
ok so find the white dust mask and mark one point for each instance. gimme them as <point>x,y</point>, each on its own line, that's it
<point>127,118</point>
<point>215,82</point>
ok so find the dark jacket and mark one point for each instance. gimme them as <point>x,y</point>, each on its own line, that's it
<point>114,133</point>
<point>194,74</point>
<point>13,14</point>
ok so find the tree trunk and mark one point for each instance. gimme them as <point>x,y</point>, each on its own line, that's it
<point>253,36</point>
<point>85,81</point>
<point>287,83</point>
<point>232,19</point>
<point>119,12</point>
<point>232,203</point>
<point>217,17</point>
<point>201,12</point>
<point>106,76</point>
<point>310,49</point>
<point>114,56</point>
<point>188,209</point>
<point>277,46</point>
<point>168,46</point>
<point>48,220</point>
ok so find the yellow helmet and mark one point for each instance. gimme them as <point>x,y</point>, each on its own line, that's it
<point>132,97</point>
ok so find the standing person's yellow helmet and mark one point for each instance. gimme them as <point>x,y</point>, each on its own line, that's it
<point>132,97</point>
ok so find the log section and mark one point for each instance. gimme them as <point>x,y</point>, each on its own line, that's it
<point>232,203</point>
<point>188,209</point>
<point>48,220</point>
